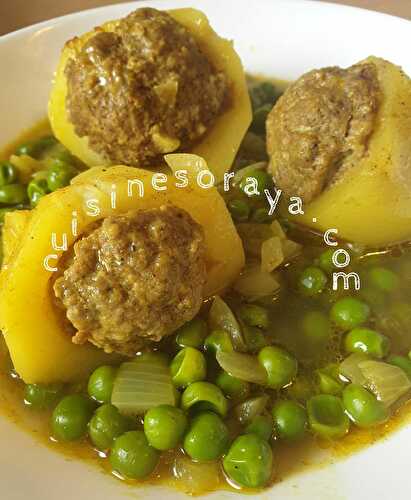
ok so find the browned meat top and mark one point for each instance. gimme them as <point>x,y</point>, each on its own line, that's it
<point>134,279</point>
<point>320,127</point>
<point>143,90</point>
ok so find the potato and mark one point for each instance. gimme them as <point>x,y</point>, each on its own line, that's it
<point>41,349</point>
<point>14,225</point>
<point>220,144</point>
<point>371,204</point>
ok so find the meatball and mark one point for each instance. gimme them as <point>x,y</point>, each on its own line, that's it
<point>134,279</point>
<point>320,127</point>
<point>142,90</point>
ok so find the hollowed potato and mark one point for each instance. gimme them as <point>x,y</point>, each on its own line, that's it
<point>219,145</point>
<point>371,204</point>
<point>40,347</point>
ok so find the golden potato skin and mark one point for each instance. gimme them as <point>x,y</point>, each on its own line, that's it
<point>371,203</point>
<point>219,145</point>
<point>40,347</point>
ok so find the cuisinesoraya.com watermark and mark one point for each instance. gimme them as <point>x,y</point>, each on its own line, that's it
<point>205,179</point>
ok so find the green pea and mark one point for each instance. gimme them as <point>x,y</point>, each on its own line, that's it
<point>232,387</point>
<point>316,328</point>
<point>60,174</point>
<point>301,389</point>
<point>36,189</point>
<point>25,149</point>
<point>254,315</point>
<point>348,313</point>
<point>106,425</point>
<point>132,456</point>
<point>239,209</point>
<point>71,416</point>
<point>326,416</point>
<point>45,142</point>
<point>164,426</point>
<point>64,155</point>
<point>36,147</point>
<point>328,384</point>
<point>384,279</point>
<point>100,383</point>
<point>281,367</point>
<point>263,93</point>
<point>290,420</point>
<point>259,118</point>
<point>363,407</point>
<point>402,362</point>
<point>255,338</point>
<point>249,461</point>
<point>262,425</point>
<point>13,194</point>
<point>188,366</point>
<point>367,341</point>
<point>218,340</point>
<point>192,334</point>
<point>312,281</point>
<point>204,396</point>
<point>256,180</point>
<point>325,261</point>
<point>261,215</point>
<point>42,397</point>
<point>8,173</point>
<point>328,380</point>
<point>207,437</point>
<point>156,357</point>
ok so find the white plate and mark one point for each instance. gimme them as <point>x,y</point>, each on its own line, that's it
<point>283,38</point>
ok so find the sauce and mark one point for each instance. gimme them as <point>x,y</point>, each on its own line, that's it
<point>305,455</point>
<point>40,129</point>
<point>284,310</point>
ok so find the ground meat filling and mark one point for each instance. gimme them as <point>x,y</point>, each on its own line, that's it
<point>134,279</point>
<point>143,90</point>
<point>320,128</point>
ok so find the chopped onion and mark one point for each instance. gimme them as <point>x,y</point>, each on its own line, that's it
<point>142,384</point>
<point>254,231</point>
<point>221,317</point>
<point>350,370</point>
<point>246,411</point>
<point>291,249</point>
<point>255,283</point>
<point>192,163</point>
<point>253,235</point>
<point>277,230</point>
<point>388,382</point>
<point>27,166</point>
<point>242,366</point>
<point>194,477</point>
<point>271,254</point>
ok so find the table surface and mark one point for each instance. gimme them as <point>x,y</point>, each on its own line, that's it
<point>15,14</point>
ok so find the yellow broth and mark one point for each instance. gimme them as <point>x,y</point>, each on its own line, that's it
<point>40,129</point>
<point>291,460</point>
